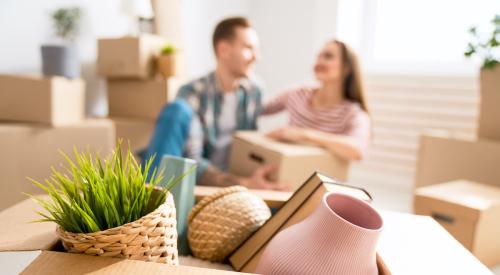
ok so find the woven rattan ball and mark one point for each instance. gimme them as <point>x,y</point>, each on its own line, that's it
<point>219,223</point>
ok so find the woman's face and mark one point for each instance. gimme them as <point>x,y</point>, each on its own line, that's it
<point>329,67</point>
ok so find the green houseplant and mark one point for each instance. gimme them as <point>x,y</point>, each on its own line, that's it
<point>105,208</point>
<point>488,49</point>
<point>167,61</point>
<point>60,57</point>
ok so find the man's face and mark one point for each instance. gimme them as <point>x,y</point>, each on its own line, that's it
<point>239,54</point>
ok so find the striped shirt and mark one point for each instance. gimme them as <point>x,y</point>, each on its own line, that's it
<point>347,118</point>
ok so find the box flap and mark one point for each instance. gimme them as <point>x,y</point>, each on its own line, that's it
<point>54,263</point>
<point>412,244</point>
<point>18,231</point>
<point>470,194</point>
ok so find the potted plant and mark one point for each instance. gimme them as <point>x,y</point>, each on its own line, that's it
<point>105,208</point>
<point>488,49</point>
<point>167,64</point>
<point>61,58</point>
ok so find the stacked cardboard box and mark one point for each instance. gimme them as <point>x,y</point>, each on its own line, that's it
<point>136,93</point>
<point>443,159</point>
<point>38,117</point>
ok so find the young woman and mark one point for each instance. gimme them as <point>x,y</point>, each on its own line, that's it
<point>332,114</point>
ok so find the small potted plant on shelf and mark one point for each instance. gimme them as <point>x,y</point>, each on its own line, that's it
<point>60,57</point>
<point>487,48</point>
<point>105,208</point>
<point>167,64</point>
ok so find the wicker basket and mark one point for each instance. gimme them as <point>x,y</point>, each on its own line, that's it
<point>152,238</point>
<point>219,223</point>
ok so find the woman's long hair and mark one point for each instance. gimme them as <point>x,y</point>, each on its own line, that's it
<point>353,81</point>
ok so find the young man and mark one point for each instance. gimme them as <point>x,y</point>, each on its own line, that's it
<point>200,123</point>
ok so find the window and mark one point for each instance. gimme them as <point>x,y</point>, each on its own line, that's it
<point>410,36</point>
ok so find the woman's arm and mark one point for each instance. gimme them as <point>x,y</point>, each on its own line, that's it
<point>276,105</point>
<point>344,146</point>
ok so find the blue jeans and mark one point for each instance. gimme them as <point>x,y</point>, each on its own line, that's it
<point>171,133</point>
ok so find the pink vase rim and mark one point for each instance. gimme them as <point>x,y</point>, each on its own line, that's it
<point>377,219</point>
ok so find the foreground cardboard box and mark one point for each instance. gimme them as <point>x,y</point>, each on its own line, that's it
<point>129,57</point>
<point>140,98</point>
<point>412,244</point>
<point>18,232</point>
<point>53,263</point>
<point>489,113</point>
<point>470,211</point>
<point>30,150</point>
<point>294,163</point>
<point>137,132</point>
<point>443,159</point>
<point>55,101</point>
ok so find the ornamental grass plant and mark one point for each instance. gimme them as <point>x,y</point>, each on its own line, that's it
<point>91,194</point>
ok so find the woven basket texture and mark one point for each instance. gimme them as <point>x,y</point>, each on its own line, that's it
<point>219,223</point>
<point>152,238</point>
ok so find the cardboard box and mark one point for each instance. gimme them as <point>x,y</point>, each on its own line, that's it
<point>295,163</point>
<point>470,211</point>
<point>412,244</point>
<point>53,263</point>
<point>30,151</point>
<point>129,57</point>
<point>136,131</point>
<point>56,101</point>
<point>443,159</point>
<point>18,232</point>
<point>299,206</point>
<point>140,98</point>
<point>489,111</point>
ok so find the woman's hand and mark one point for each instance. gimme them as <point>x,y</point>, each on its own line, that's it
<point>289,134</point>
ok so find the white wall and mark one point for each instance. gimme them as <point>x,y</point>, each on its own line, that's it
<point>26,24</point>
<point>291,33</point>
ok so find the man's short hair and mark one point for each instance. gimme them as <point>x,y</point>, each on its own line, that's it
<point>226,29</point>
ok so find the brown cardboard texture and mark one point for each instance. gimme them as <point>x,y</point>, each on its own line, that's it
<point>299,206</point>
<point>445,159</point>
<point>18,232</point>
<point>55,101</point>
<point>294,163</point>
<point>136,131</point>
<point>470,211</point>
<point>489,113</point>
<point>129,57</point>
<point>30,151</point>
<point>140,98</point>
<point>55,263</point>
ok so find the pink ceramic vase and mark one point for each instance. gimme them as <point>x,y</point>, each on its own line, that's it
<point>339,237</point>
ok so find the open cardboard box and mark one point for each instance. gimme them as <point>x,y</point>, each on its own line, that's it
<point>410,244</point>
<point>29,150</point>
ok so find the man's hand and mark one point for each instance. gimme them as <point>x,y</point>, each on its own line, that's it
<point>289,134</point>
<point>259,180</point>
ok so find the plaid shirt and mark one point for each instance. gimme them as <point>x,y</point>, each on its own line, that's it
<point>205,97</point>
